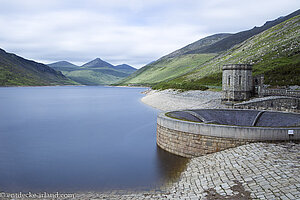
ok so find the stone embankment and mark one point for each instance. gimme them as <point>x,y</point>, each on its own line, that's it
<point>279,103</point>
<point>168,100</point>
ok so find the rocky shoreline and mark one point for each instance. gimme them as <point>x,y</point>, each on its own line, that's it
<point>167,100</point>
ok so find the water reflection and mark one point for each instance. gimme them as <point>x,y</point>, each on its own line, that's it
<point>80,139</point>
<point>169,166</point>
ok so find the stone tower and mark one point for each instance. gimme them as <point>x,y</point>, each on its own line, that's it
<point>237,82</point>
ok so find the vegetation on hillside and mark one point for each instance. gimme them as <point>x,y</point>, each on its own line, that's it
<point>17,71</point>
<point>167,68</point>
<point>273,49</point>
<point>95,72</point>
<point>95,76</point>
<point>242,36</point>
<point>270,52</point>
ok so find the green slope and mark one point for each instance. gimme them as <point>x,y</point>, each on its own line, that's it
<point>17,71</point>
<point>95,76</point>
<point>167,69</point>
<point>199,45</point>
<point>194,64</point>
<point>174,64</point>
<point>274,53</point>
<point>237,38</point>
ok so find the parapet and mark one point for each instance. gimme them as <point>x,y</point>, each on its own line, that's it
<point>191,133</point>
<point>237,67</point>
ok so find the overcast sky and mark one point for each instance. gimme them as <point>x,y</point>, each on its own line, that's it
<point>135,32</point>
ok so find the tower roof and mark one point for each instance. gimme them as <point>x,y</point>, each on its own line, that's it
<point>237,67</point>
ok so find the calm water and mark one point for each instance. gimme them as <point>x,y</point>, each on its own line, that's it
<point>76,138</point>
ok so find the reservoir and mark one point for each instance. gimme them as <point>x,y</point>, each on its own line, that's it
<point>80,138</point>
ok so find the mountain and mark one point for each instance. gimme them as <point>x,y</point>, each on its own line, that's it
<point>125,68</point>
<point>165,69</point>
<point>18,71</point>
<point>275,53</point>
<point>63,66</point>
<point>174,64</point>
<point>95,72</point>
<point>97,63</point>
<point>237,38</point>
<point>191,63</point>
<point>198,45</point>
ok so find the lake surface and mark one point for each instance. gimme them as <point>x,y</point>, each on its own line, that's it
<point>76,139</point>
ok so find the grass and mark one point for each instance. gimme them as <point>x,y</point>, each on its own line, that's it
<point>14,76</point>
<point>273,53</point>
<point>213,81</point>
<point>167,69</point>
<point>93,77</point>
<point>17,71</point>
<point>280,71</point>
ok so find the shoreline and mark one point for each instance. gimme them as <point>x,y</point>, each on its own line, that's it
<point>168,100</point>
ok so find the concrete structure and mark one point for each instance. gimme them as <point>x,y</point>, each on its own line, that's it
<point>276,103</point>
<point>198,132</point>
<point>237,82</point>
<point>280,92</point>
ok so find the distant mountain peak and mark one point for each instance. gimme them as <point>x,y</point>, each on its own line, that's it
<point>98,59</point>
<point>125,66</point>
<point>61,64</point>
<point>97,63</point>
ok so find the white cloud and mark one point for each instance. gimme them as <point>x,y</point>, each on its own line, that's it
<point>119,31</point>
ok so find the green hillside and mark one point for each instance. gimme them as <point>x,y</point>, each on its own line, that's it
<point>274,53</point>
<point>237,38</point>
<point>199,45</point>
<point>266,47</point>
<point>168,68</point>
<point>174,64</point>
<point>95,76</point>
<point>17,71</point>
<point>95,72</point>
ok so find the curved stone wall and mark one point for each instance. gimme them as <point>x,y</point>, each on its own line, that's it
<point>189,139</point>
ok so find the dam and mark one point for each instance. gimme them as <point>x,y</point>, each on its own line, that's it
<point>191,133</point>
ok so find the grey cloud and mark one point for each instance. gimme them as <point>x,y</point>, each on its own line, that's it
<point>134,32</point>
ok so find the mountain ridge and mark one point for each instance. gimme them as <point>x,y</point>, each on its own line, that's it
<point>62,63</point>
<point>94,72</point>
<point>18,71</point>
<point>96,63</point>
<point>182,62</point>
<point>239,37</point>
<point>274,53</point>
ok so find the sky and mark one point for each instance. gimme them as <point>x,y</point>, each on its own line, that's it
<point>135,32</point>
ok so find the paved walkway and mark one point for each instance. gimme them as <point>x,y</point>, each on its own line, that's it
<point>253,171</point>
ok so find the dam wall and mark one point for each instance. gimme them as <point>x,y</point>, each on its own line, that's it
<point>190,138</point>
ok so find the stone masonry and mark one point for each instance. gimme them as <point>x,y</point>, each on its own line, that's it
<point>278,103</point>
<point>237,82</point>
<point>191,145</point>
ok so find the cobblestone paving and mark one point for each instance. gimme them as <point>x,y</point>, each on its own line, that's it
<point>253,171</point>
